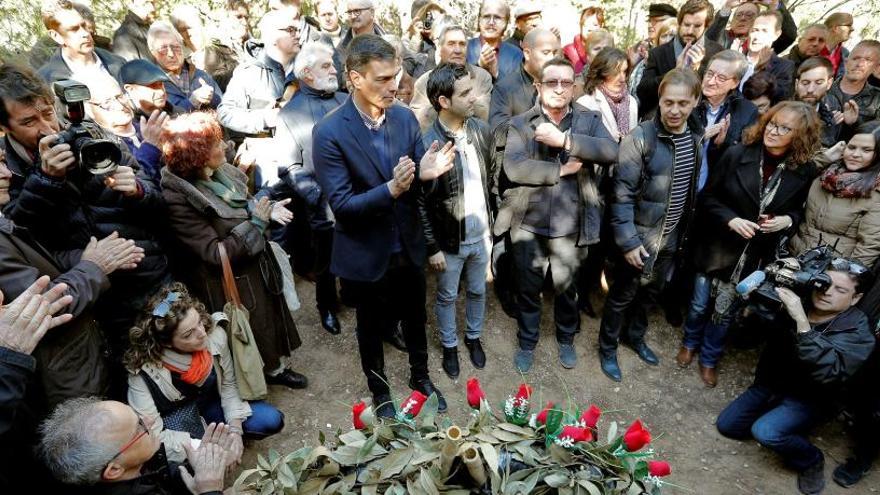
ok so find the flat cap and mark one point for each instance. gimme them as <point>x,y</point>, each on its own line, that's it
<point>141,72</point>
<point>526,7</point>
<point>661,10</point>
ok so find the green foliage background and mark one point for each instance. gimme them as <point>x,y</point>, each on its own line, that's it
<point>20,23</point>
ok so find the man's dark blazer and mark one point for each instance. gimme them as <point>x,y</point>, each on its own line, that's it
<point>660,61</point>
<point>355,184</point>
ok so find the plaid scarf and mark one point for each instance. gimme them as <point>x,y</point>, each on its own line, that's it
<point>619,104</point>
<point>843,183</point>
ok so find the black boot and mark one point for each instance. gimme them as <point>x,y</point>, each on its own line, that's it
<point>475,349</point>
<point>450,362</point>
<point>426,387</point>
<point>330,322</point>
<point>395,337</point>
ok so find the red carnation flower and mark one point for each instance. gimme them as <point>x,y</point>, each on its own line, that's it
<point>475,394</point>
<point>576,434</point>
<point>356,411</point>
<point>542,416</point>
<point>413,404</point>
<point>659,468</point>
<point>524,392</point>
<point>591,416</point>
<point>636,437</point>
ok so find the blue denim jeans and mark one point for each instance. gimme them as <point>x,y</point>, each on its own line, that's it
<point>472,260</point>
<point>777,422</point>
<point>701,333</point>
<point>265,418</point>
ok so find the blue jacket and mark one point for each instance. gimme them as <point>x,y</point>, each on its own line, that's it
<point>510,58</point>
<point>355,184</point>
<point>178,98</point>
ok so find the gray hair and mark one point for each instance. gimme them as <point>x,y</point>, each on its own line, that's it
<point>159,28</point>
<point>70,445</point>
<point>309,55</point>
<point>816,25</point>
<point>740,64</point>
<point>444,27</point>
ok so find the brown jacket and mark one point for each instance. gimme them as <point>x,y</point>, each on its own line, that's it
<point>853,223</point>
<point>201,220</point>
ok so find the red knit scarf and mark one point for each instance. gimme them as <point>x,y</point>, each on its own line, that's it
<point>199,369</point>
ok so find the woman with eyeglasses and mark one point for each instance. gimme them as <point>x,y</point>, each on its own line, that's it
<point>182,376</point>
<point>754,196</point>
<point>208,207</point>
<point>843,205</point>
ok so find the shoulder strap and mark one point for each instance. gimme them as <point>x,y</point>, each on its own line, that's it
<point>229,288</point>
<point>163,405</point>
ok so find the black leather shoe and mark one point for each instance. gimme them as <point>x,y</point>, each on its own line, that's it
<point>330,322</point>
<point>450,362</point>
<point>288,378</point>
<point>475,349</point>
<point>610,367</point>
<point>426,387</point>
<point>645,353</point>
<point>382,406</point>
<point>395,338</point>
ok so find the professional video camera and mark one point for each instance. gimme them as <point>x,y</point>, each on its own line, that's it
<point>92,150</point>
<point>802,274</point>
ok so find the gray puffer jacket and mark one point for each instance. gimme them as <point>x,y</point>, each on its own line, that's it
<point>641,190</point>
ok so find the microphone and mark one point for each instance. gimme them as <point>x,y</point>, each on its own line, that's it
<point>751,282</point>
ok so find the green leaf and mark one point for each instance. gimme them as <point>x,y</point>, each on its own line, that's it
<point>506,436</point>
<point>367,448</point>
<point>426,483</point>
<point>247,473</point>
<point>322,438</point>
<point>590,487</point>
<point>485,436</point>
<point>429,412</point>
<point>394,463</point>
<point>352,436</point>
<point>286,476</point>
<point>557,480</point>
<point>612,431</point>
<point>263,463</point>
<point>554,421</point>
<point>526,432</point>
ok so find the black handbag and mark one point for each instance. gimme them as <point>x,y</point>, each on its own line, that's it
<point>182,415</point>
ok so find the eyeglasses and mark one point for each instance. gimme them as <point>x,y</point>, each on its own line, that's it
<point>558,83</point>
<point>357,12</point>
<point>845,265</point>
<point>140,432</point>
<point>778,129</point>
<point>111,103</point>
<point>290,30</point>
<point>745,15</point>
<point>717,75</point>
<point>176,49</point>
<point>491,19</point>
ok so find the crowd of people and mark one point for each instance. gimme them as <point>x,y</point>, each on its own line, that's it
<point>161,188</point>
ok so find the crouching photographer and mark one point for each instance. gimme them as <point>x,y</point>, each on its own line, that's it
<point>809,358</point>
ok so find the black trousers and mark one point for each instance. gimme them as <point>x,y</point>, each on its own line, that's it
<point>863,401</point>
<point>629,299</point>
<point>535,257</point>
<point>398,295</point>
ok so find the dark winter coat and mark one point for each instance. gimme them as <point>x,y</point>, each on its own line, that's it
<point>130,39</point>
<point>56,68</point>
<point>743,113</point>
<point>444,204</point>
<point>733,190</point>
<point>512,95</point>
<point>178,98</point>
<point>201,221</point>
<point>510,58</point>
<point>717,32</point>
<point>641,191</point>
<point>528,166</point>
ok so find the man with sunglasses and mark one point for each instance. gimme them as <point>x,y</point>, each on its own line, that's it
<point>108,447</point>
<point>840,29</point>
<point>803,370</point>
<point>550,205</point>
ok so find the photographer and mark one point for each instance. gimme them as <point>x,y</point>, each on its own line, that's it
<point>63,204</point>
<point>802,371</point>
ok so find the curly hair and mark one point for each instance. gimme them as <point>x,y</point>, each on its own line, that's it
<point>805,141</point>
<point>188,140</point>
<point>599,12</point>
<point>154,333</point>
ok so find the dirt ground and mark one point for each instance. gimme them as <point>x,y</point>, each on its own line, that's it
<point>673,403</point>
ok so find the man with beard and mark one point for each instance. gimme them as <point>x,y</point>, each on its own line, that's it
<point>488,50</point>
<point>688,49</point>
<point>316,97</point>
<point>814,80</point>
<point>854,87</point>
<point>106,446</point>
<point>765,30</point>
<point>810,44</point>
<point>550,205</point>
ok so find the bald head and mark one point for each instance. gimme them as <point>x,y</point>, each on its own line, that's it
<point>539,46</point>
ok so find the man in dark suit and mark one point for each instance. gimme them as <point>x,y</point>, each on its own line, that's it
<point>689,48</point>
<point>317,96</point>
<point>764,32</point>
<point>369,158</point>
<point>551,206</point>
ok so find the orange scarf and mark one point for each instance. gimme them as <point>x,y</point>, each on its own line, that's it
<point>199,368</point>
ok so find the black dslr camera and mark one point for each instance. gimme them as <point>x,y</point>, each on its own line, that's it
<point>92,150</point>
<point>428,21</point>
<point>802,274</point>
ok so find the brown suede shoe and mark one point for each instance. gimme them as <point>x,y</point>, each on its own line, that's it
<point>709,376</point>
<point>685,357</point>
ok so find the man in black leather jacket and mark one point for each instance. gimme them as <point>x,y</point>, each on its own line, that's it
<point>458,219</point>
